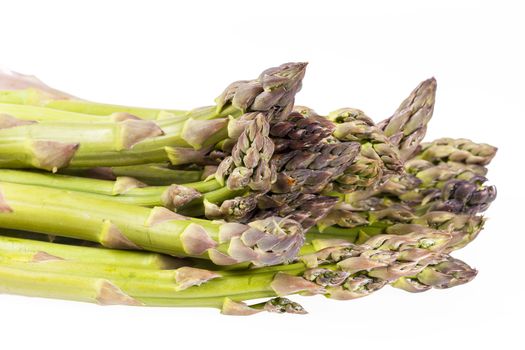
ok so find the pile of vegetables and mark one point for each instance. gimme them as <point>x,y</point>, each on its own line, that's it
<point>251,198</point>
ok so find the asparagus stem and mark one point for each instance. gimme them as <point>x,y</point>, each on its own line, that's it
<point>34,250</point>
<point>126,141</point>
<point>155,174</point>
<point>41,154</point>
<point>121,133</point>
<point>41,114</point>
<point>125,189</point>
<point>187,199</point>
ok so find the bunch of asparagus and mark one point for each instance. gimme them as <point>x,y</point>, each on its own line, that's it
<point>253,197</point>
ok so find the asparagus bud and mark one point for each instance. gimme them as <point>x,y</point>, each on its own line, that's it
<point>301,175</point>
<point>446,274</point>
<point>236,209</point>
<point>463,228</point>
<point>297,132</point>
<point>427,187</point>
<point>274,90</point>
<point>461,196</point>
<point>248,166</point>
<point>279,305</point>
<point>462,151</point>
<point>356,226</point>
<point>353,125</point>
<point>407,126</point>
<point>364,173</point>
<point>311,171</point>
<point>306,209</point>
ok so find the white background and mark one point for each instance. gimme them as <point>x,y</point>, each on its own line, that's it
<point>362,54</point>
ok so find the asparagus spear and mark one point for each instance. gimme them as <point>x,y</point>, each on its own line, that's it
<point>28,90</point>
<point>304,169</point>
<point>427,187</point>
<point>115,225</point>
<point>408,125</point>
<point>311,171</point>
<point>357,227</point>
<point>312,162</point>
<point>124,189</point>
<point>449,188</point>
<point>341,272</point>
<point>274,89</point>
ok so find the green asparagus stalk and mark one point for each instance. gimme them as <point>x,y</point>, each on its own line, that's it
<point>408,125</point>
<point>41,154</point>
<point>126,141</point>
<point>37,251</point>
<point>28,90</point>
<point>340,272</point>
<point>116,225</point>
<point>125,189</point>
<point>274,89</point>
<point>153,174</point>
<point>12,114</point>
<point>46,238</point>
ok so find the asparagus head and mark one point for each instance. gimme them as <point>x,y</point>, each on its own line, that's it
<point>274,90</point>
<point>408,125</point>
